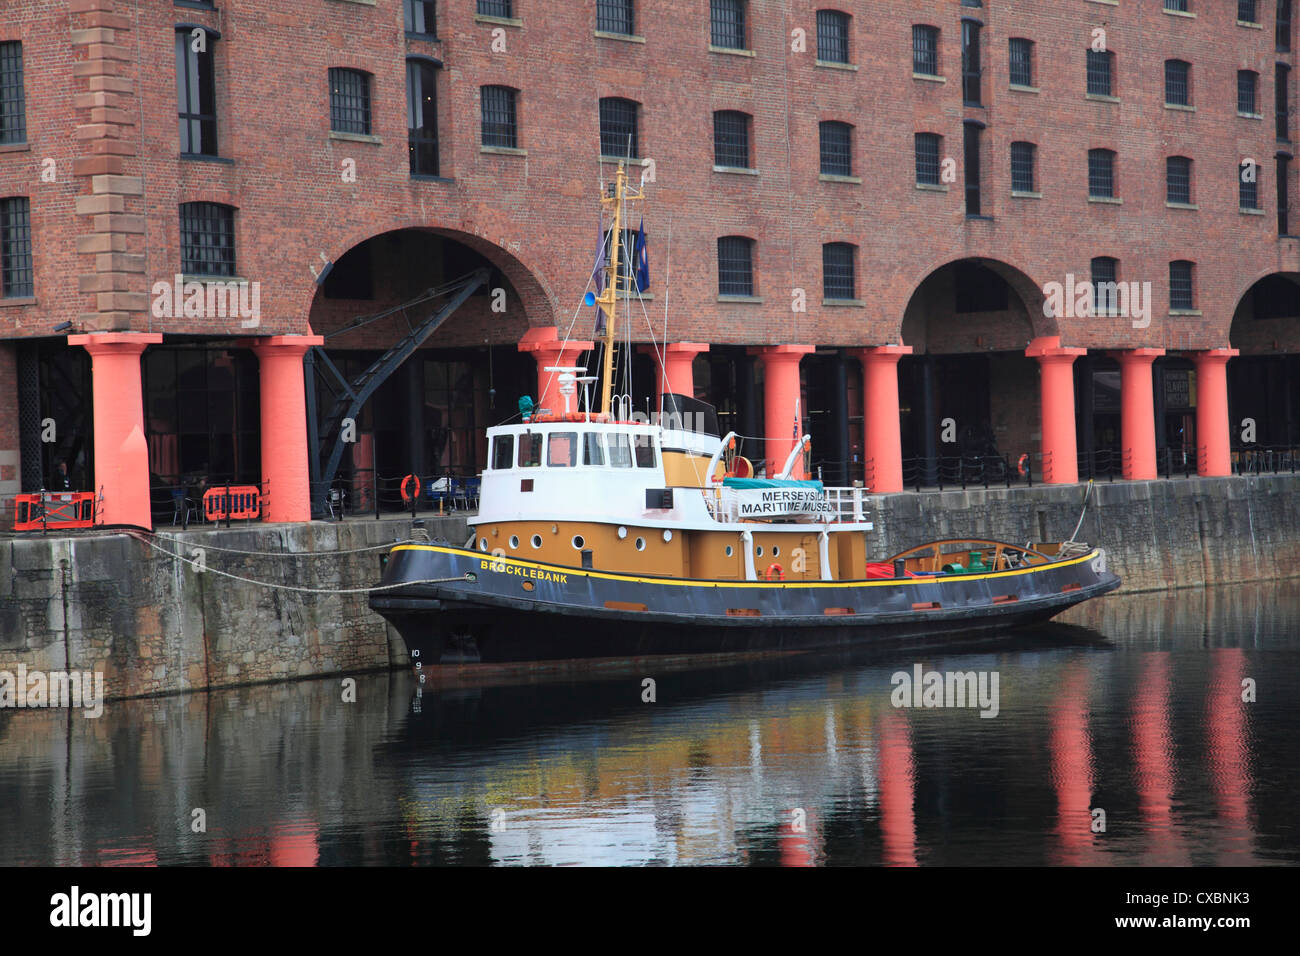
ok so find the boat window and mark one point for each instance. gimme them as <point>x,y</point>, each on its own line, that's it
<point>645,451</point>
<point>530,450</point>
<point>562,450</point>
<point>620,456</point>
<point>503,451</point>
<point>592,453</point>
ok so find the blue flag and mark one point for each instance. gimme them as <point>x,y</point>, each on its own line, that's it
<point>642,260</point>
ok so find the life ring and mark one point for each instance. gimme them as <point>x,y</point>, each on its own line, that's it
<point>1023,466</point>
<point>413,483</point>
<point>775,572</point>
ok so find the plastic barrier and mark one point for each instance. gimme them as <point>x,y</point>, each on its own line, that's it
<point>245,503</point>
<point>54,510</point>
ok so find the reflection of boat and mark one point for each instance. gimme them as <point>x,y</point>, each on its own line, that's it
<point>600,535</point>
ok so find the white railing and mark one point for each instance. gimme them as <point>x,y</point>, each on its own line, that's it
<point>832,506</point>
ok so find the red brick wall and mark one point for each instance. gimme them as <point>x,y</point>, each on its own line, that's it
<point>534,215</point>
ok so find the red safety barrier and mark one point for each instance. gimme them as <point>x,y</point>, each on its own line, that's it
<point>54,510</point>
<point>245,503</point>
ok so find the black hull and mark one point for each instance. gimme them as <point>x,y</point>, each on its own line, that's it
<point>510,610</point>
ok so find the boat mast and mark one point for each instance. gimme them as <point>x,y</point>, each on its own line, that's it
<point>608,299</point>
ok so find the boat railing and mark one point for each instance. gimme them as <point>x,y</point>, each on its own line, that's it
<point>834,505</point>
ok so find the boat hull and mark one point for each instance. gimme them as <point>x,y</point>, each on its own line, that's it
<point>485,608</point>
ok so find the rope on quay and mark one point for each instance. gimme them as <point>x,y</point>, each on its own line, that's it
<point>284,554</point>
<point>289,587</point>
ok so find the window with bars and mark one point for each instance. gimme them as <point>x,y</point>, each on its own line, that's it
<point>421,17</point>
<point>735,266</point>
<point>925,50</point>
<point>207,239</point>
<point>1283,30</point>
<point>1022,167</point>
<point>196,94</point>
<point>1178,89</point>
<point>1020,54</point>
<point>971,69</point>
<point>16,281</point>
<point>615,16</point>
<point>1282,100</point>
<point>1101,174</point>
<point>13,109</point>
<point>422,116</point>
<point>1100,70</point>
<point>1105,275</point>
<point>1246,11</point>
<point>500,128</point>
<point>972,154</point>
<point>618,128</point>
<point>927,159</point>
<point>1178,180</point>
<point>731,139</point>
<point>349,101</point>
<point>727,24</point>
<point>1283,182</point>
<point>838,280</point>
<point>1178,6</point>
<point>1182,295</point>
<point>836,148</point>
<point>496,8</point>
<point>1248,92</point>
<point>1248,185</point>
<point>832,36</point>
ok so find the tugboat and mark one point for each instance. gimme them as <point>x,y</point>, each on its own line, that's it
<point>601,534</point>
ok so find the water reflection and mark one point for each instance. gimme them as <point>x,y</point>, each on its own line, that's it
<point>1134,708</point>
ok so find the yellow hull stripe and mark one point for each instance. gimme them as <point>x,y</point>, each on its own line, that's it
<point>685,582</point>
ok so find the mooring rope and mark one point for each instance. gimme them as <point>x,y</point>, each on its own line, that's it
<point>283,554</point>
<point>204,569</point>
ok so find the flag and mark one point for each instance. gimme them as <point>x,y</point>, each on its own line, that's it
<point>642,260</point>
<point>598,277</point>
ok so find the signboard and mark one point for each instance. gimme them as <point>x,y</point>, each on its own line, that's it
<point>773,502</point>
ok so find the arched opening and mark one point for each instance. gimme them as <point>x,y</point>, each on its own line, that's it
<point>1264,380</point>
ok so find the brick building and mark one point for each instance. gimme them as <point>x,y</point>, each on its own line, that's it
<point>895,216</point>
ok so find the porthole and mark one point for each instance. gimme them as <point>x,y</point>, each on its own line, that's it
<point>578,542</point>
<point>537,541</point>
<point>514,541</point>
<point>758,552</point>
<point>640,544</point>
<point>622,533</point>
<point>482,544</point>
<point>668,534</point>
<point>730,552</point>
<point>776,551</point>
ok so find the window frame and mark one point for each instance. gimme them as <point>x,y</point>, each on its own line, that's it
<point>1176,84</point>
<point>823,128</point>
<point>343,109</point>
<point>498,121</point>
<point>1099,58</point>
<point>1176,282</point>
<point>13,94</point>
<point>1178,177</point>
<point>606,107</point>
<point>1025,59</point>
<point>846,268</point>
<point>1094,174</point>
<point>192,216</point>
<point>925,45</point>
<point>922,175</point>
<point>731,16</point>
<point>612,15</point>
<point>197,78</point>
<point>16,259</point>
<point>735,272</point>
<point>1018,166</point>
<point>834,26</point>
<point>744,142</point>
<point>422,69</point>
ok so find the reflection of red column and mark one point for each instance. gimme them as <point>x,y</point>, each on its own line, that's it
<point>897,787</point>
<point>883,454</point>
<point>781,398</point>
<point>1137,415</point>
<point>1227,751</point>
<point>295,844</point>
<point>284,426</point>
<point>797,847</point>
<point>1056,388</point>
<point>1212,426</point>
<point>121,452</point>
<point>544,344</point>
<point>1072,766</point>
<point>673,363</point>
<point>1152,745</point>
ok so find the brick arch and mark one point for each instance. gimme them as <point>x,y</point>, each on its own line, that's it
<point>1025,289</point>
<point>1254,336</point>
<point>507,255</point>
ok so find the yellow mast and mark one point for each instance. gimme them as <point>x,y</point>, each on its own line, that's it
<point>608,299</point>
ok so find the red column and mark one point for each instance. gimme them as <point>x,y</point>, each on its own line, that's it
<point>549,352</point>
<point>1213,442</point>
<point>673,362</point>
<point>781,395</point>
<point>285,474</point>
<point>121,452</point>
<point>1137,415</point>
<point>1056,384</point>
<point>883,452</point>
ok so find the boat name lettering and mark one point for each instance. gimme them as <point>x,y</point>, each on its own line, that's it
<point>536,573</point>
<point>782,501</point>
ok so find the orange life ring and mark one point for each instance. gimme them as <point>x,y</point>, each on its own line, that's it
<point>1023,466</point>
<point>412,494</point>
<point>775,570</point>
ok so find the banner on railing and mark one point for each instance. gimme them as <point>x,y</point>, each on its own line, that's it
<point>773,502</point>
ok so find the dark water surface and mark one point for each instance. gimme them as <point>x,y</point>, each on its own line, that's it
<point>1132,708</point>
